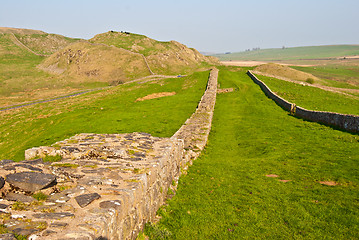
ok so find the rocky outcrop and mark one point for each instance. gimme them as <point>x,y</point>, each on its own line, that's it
<point>107,186</point>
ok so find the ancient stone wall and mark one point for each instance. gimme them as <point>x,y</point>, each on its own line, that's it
<point>107,186</point>
<point>346,122</point>
<point>195,131</point>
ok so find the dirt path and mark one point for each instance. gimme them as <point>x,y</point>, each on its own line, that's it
<point>19,43</point>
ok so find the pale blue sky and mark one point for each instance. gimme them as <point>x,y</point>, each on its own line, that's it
<point>214,26</point>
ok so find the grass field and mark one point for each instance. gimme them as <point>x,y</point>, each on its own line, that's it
<point>111,111</point>
<point>295,53</point>
<point>312,98</point>
<point>336,75</point>
<point>227,194</point>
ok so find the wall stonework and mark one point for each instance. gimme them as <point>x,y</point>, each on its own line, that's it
<point>346,122</point>
<point>107,186</point>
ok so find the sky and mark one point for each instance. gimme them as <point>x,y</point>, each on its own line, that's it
<point>209,26</point>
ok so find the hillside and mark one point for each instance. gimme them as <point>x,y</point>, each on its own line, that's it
<point>84,61</point>
<point>163,57</point>
<point>38,41</point>
<point>37,65</point>
<point>295,53</point>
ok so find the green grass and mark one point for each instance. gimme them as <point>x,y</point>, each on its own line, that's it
<point>295,53</point>
<point>226,194</point>
<point>312,98</point>
<point>343,76</point>
<point>110,111</point>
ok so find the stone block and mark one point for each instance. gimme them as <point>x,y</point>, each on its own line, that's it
<point>30,181</point>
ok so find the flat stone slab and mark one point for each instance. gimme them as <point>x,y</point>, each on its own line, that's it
<point>5,161</point>
<point>115,204</point>
<point>85,199</point>
<point>58,224</point>
<point>30,181</point>
<point>19,198</point>
<point>52,215</point>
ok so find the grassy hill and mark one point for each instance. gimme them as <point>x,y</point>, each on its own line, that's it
<point>295,53</point>
<point>39,41</point>
<point>163,57</point>
<point>87,62</point>
<point>37,65</point>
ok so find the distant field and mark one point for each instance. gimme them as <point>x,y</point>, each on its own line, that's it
<point>337,75</point>
<point>295,53</point>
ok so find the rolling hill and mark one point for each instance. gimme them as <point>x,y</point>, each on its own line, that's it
<point>295,53</point>
<point>37,65</point>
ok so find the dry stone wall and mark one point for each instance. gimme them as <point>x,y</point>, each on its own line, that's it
<point>107,186</point>
<point>346,122</point>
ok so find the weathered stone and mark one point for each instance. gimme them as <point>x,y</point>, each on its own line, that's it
<point>28,167</point>
<point>25,231</point>
<point>115,204</point>
<point>58,198</point>
<point>76,190</point>
<point>85,199</point>
<point>9,168</point>
<point>5,162</point>
<point>24,227</point>
<point>30,181</point>
<point>91,180</point>
<point>98,171</point>
<point>19,198</point>
<point>34,162</point>
<point>31,153</point>
<point>3,207</point>
<point>2,182</point>
<point>58,215</point>
<point>47,232</point>
<point>7,236</point>
<point>58,224</point>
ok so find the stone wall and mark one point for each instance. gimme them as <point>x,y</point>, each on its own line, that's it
<point>107,186</point>
<point>346,122</point>
<point>195,131</point>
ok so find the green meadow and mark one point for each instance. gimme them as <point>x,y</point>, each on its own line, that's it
<point>114,110</point>
<point>265,175</point>
<point>337,75</point>
<point>312,98</point>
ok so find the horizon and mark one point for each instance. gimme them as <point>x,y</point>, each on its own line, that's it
<point>205,52</point>
<point>229,26</point>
